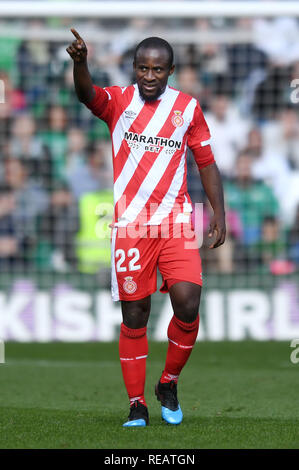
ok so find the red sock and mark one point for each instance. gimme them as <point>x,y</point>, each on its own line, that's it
<point>133,349</point>
<point>181,339</point>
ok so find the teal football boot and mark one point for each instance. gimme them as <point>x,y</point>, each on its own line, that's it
<point>138,416</point>
<point>167,394</point>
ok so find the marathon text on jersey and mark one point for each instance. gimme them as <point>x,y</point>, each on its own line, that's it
<point>157,141</point>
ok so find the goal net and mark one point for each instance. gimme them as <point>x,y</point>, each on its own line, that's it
<point>240,59</point>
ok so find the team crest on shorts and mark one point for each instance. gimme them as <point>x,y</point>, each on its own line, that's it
<point>177,120</point>
<point>129,285</point>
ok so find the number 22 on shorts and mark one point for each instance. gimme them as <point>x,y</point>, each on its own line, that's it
<point>133,254</point>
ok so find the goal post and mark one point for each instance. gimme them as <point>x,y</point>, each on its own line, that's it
<point>148,9</point>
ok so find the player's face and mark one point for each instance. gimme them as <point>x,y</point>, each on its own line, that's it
<point>152,71</point>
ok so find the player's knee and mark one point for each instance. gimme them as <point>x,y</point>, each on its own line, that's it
<point>135,314</point>
<point>186,306</point>
<point>189,310</point>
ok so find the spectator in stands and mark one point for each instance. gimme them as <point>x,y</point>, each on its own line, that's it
<point>30,202</point>
<point>59,226</point>
<point>271,247</point>
<point>224,260</point>
<point>64,97</point>
<point>188,81</point>
<point>93,174</point>
<point>212,55</point>
<point>76,149</point>
<point>270,166</point>
<point>271,94</point>
<point>252,199</point>
<point>278,39</point>
<point>245,60</point>
<point>35,65</point>
<point>281,136</point>
<point>14,101</point>
<point>9,244</point>
<point>246,65</point>
<point>54,137</point>
<point>24,142</point>
<point>228,131</point>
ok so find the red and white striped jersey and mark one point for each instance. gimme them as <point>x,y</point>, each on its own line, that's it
<point>149,144</point>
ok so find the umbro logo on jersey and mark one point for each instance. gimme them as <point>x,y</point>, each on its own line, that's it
<point>130,114</point>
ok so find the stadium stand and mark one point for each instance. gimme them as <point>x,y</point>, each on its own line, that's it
<point>56,158</point>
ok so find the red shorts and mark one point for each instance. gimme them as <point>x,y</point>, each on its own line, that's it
<point>135,259</point>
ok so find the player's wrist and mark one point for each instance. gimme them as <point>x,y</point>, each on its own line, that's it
<point>219,209</point>
<point>219,213</point>
<point>80,62</point>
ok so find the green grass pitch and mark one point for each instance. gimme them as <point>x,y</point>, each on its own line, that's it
<point>233,395</point>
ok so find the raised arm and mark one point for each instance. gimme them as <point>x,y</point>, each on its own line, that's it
<point>212,184</point>
<point>82,79</point>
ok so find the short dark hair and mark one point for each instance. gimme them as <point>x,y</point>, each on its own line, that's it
<point>155,43</point>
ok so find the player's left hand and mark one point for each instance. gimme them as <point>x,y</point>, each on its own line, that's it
<point>217,227</point>
<point>77,50</point>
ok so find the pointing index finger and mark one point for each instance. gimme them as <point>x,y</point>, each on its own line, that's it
<point>76,34</point>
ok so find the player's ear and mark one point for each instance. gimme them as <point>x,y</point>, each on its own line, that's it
<point>171,70</point>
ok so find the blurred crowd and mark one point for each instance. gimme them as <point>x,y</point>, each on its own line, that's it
<point>56,157</point>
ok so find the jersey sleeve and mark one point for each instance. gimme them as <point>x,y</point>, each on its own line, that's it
<point>104,103</point>
<point>199,138</point>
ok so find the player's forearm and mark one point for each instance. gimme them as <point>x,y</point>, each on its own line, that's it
<point>83,82</point>
<point>212,184</point>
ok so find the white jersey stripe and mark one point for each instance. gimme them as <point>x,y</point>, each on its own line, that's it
<point>206,142</point>
<point>154,126</point>
<point>155,174</point>
<point>123,123</point>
